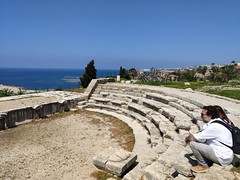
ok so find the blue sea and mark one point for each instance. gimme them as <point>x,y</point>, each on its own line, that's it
<point>43,79</point>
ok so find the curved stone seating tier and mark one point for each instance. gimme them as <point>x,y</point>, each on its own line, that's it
<point>166,116</point>
<point>145,106</point>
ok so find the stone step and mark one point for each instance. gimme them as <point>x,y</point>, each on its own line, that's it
<point>167,128</point>
<point>136,116</point>
<point>102,106</point>
<point>158,171</point>
<point>191,110</point>
<point>115,98</point>
<point>139,109</point>
<point>131,91</point>
<point>154,133</point>
<point>104,94</point>
<point>161,98</point>
<point>101,100</point>
<point>186,99</point>
<point>181,120</point>
<point>152,104</point>
<point>81,103</point>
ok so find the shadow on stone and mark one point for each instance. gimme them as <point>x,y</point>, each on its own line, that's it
<point>193,162</point>
<point>130,168</point>
<point>194,121</point>
<point>236,161</point>
<point>174,174</point>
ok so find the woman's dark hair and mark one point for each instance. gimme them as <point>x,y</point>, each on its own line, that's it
<point>221,113</point>
<point>211,111</point>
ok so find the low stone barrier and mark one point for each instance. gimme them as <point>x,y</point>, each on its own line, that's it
<point>14,117</point>
<point>11,118</point>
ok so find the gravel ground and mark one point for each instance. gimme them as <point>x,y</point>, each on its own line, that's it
<point>59,148</point>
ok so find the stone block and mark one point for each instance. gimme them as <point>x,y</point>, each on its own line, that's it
<point>158,171</point>
<point>181,164</point>
<point>115,161</point>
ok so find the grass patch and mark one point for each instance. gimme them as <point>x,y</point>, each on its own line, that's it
<point>101,175</point>
<point>234,94</point>
<point>236,169</point>
<point>120,131</point>
<point>181,85</point>
<point>79,90</point>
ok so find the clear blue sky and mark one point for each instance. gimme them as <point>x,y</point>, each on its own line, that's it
<point>127,33</point>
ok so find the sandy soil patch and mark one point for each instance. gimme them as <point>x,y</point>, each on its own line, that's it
<point>60,148</point>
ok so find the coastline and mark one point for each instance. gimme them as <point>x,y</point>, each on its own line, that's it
<point>46,78</point>
<point>15,89</point>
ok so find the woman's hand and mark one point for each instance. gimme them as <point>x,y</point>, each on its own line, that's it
<point>190,138</point>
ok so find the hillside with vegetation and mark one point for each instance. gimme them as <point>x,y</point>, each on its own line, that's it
<point>223,80</point>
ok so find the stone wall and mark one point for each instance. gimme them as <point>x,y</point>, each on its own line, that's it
<point>11,118</point>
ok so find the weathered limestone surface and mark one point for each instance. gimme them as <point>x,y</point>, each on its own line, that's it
<point>115,161</point>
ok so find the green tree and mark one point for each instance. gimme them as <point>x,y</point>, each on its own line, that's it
<point>124,73</point>
<point>187,75</point>
<point>229,72</point>
<point>215,75</point>
<point>89,74</point>
<point>201,69</point>
<point>223,74</point>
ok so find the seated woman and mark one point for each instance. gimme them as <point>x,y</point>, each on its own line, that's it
<point>209,145</point>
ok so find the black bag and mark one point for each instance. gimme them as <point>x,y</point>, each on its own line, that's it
<point>235,136</point>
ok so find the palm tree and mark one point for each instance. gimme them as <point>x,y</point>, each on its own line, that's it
<point>215,74</point>
<point>229,72</point>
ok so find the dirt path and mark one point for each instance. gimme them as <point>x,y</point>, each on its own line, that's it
<point>61,148</point>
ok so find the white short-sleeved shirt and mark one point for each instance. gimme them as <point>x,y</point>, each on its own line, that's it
<point>213,134</point>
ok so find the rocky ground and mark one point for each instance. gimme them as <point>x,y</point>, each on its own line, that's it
<point>58,148</point>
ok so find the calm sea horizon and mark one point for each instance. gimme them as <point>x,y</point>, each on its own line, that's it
<point>42,79</point>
